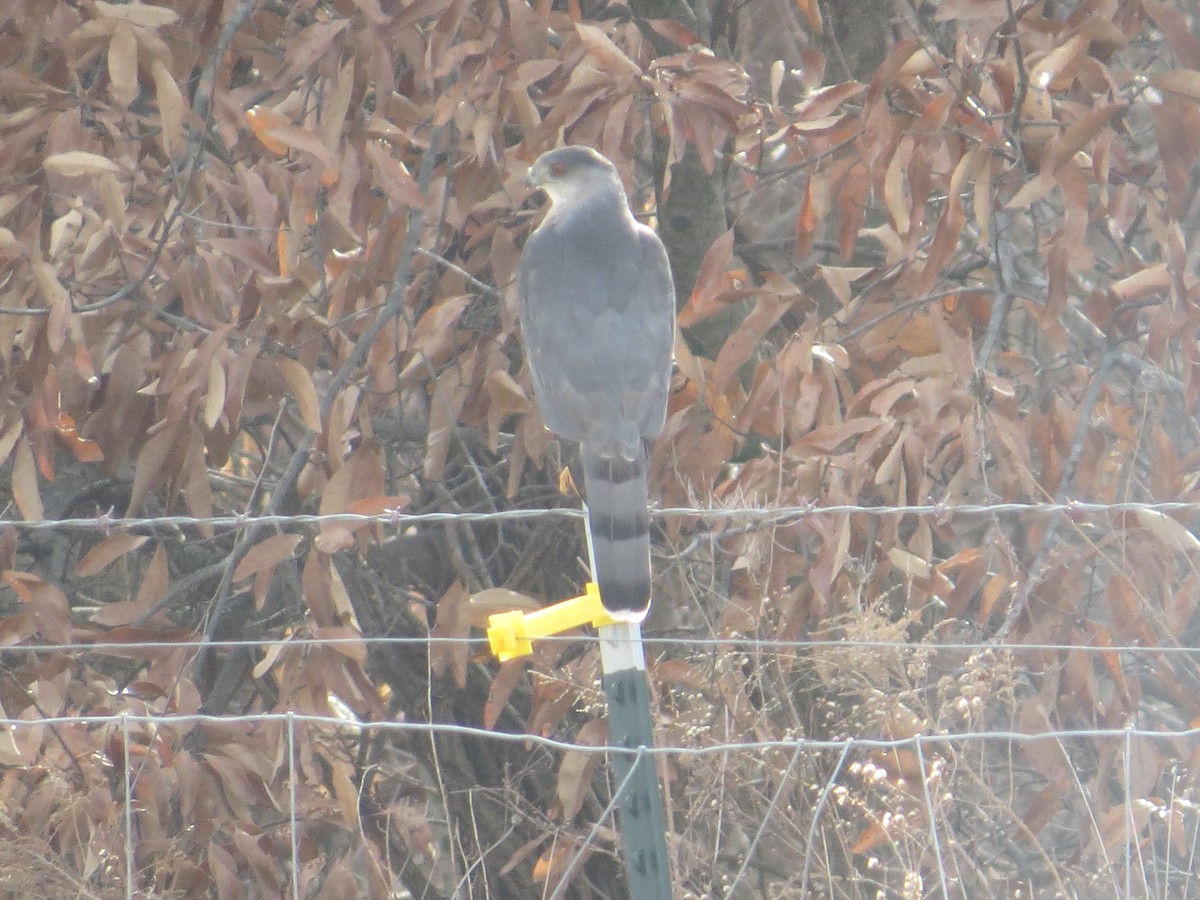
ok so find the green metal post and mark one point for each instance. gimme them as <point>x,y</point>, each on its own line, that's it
<point>642,822</point>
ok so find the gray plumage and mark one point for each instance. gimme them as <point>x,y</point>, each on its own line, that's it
<point>597,310</point>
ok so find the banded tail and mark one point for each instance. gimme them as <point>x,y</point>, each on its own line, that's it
<point>618,511</point>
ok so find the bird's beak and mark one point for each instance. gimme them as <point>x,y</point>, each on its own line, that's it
<point>533,181</point>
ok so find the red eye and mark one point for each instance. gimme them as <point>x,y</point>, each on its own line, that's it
<point>558,170</point>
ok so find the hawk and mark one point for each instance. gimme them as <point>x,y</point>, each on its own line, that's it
<point>597,311</point>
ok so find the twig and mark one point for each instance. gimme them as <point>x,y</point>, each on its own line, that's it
<point>911,304</point>
<point>1004,254</point>
<point>459,270</point>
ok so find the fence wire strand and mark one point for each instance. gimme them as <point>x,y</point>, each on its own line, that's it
<point>946,738</point>
<point>752,514</point>
<point>742,643</point>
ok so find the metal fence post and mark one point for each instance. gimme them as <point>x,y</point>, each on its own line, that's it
<point>642,822</point>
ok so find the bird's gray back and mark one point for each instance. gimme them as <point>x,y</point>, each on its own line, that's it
<point>597,316</point>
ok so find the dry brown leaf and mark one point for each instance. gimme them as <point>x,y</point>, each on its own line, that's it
<point>214,394</point>
<point>1079,133</point>
<point>874,835</point>
<point>152,589</point>
<point>170,107</point>
<point>1142,283</point>
<point>710,282</point>
<point>1046,804</point>
<point>610,57</point>
<point>1176,30</point>
<point>673,31</point>
<point>506,398</point>
<point>262,864</point>
<point>450,632</point>
<point>123,66</point>
<point>394,178</point>
<point>679,672</point>
<point>1144,767</point>
<point>360,477</point>
<point>1174,534</point>
<point>223,868</point>
<point>828,437</point>
<point>266,554</point>
<point>149,472</point>
<point>490,601</point>
<point>808,219</point>
<point>1125,604</point>
<point>1178,81</point>
<point>812,12</point>
<point>299,381</point>
<point>275,132</point>
<point>576,768</point>
<point>46,603</point>
<point>433,339</point>
<point>349,640</point>
<point>377,506</point>
<point>557,866</point>
<point>196,487</point>
<point>450,393</point>
<point>83,449</point>
<point>908,564</point>
<point>10,753</point>
<point>1121,826</point>
<point>108,551</point>
<point>1046,756</point>
<point>59,302</point>
<point>740,346</point>
<point>310,44</point>
<point>25,483</point>
<point>1057,69</point>
<point>316,586</point>
<point>502,687</point>
<point>995,588</point>
<point>79,162</point>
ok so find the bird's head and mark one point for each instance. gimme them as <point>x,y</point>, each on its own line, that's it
<point>574,173</point>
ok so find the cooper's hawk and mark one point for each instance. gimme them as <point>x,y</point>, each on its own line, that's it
<point>597,310</point>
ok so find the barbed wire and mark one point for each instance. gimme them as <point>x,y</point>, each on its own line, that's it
<point>185,720</point>
<point>769,515</point>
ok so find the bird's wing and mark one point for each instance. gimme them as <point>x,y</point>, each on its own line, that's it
<point>655,307</point>
<point>597,314</point>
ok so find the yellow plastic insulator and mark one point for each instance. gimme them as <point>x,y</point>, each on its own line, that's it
<point>511,634</point>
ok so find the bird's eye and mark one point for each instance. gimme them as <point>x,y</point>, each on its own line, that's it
<point>558,170</point>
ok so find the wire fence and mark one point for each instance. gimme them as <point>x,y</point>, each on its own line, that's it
<point>770,515</point>
<point>921,746</point>
<point>1177,739</point>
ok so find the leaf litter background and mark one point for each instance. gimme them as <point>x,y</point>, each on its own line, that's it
<point>257,258</point>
